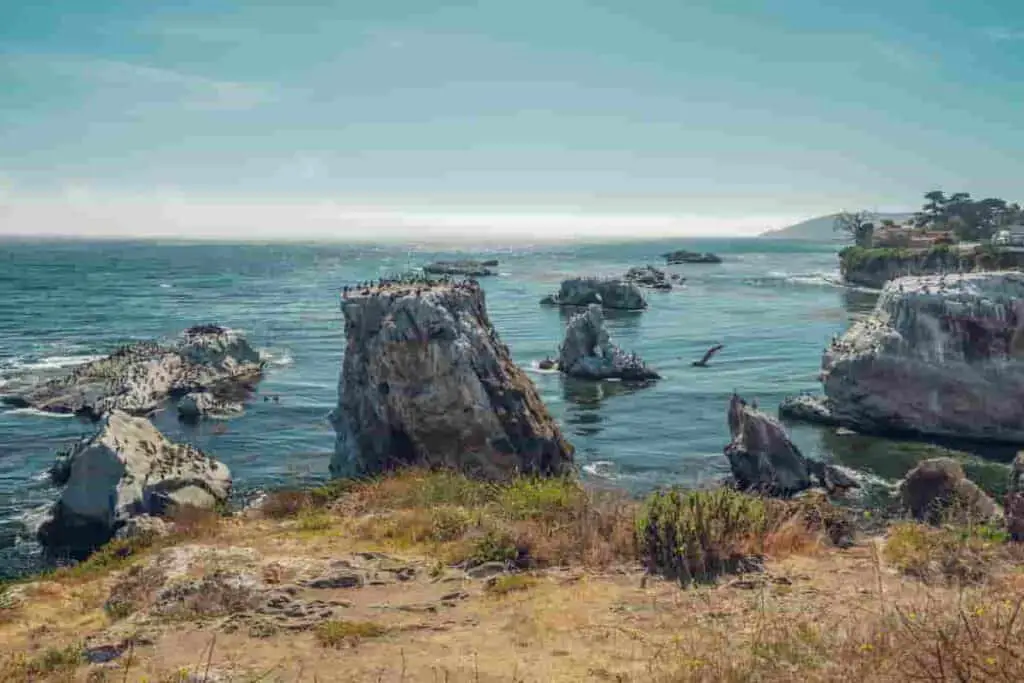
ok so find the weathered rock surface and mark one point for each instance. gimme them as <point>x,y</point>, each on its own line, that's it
<point>426,381</point>
<point>648,276</point>
<point>684,256</point>
<point>610,293</point>
<point>128,469</point>
<point>938,491</point>
<point>587,351</point>
<point>196,404</point>
<point>763,458</point>
<point>938,355</point>
<point>137,379</point>
<point>464,267</point>
<point>806,408</point>
<point>1015,499</point>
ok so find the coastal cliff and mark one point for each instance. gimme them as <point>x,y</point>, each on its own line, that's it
<point>427,381</point>
<point>875,267</point>
<point>939,355</point>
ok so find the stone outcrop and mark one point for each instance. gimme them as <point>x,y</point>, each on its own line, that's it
<point>587,351</point>
<point>1015,499</point>
<point>873,268</point>
<point>426,381</point>
<point>196,404</point>
<point>937,491</point>
<point>684,256</point>
<point>609,293</point>
<point>648,276</point>
<point>763,458</point>
<point>938,355</point>
<point>464,267</point>
<point>128,469</point>
<point>140,378</point>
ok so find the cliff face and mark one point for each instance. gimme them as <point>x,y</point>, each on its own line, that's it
<point>426,381</point>
<point>875,267</point>
<point>939,355</point>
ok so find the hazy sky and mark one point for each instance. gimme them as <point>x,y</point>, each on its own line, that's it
<point>558,117</point>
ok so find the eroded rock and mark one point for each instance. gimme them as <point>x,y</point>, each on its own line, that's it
<point>426,381</point>
<point>610,293</point>
<point>587,351</point>
<point>648,276</point>
<point>937,491</point>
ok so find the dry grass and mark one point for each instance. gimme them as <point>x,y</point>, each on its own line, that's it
<point>340,633</point>
<point>953,554</point>
<point>511,583</point>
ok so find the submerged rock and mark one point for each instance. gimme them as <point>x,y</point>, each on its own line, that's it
<point>939,355</point>
<point>464,267</point>
<point>937,491</point>
<point>128,469</point>
<point>427,381</point>
<point>610,293</point>
<point>196,404</point>
<point>684,256</point>
<point>763,458</point>
<point>137,379</point>
<point>587,351</point>
<point>648,276</point>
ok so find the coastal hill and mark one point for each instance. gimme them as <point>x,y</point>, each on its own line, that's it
<point>820,229</point>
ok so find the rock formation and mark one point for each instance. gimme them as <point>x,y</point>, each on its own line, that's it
<point>763,458</point>
<point>465,267</point>
<point>588,353</point>
<point>139,378</point>
<point>648,276</point>
<point>128,469</point>
<point>940,355</point>
<point>426,381</point>
<point>875,267</point>
<point>610,293</point>
<point>1015,499</point>
<point>937,491</point>
<point>684,256</point>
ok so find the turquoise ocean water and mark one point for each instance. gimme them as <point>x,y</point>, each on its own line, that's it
<point>773,304</point>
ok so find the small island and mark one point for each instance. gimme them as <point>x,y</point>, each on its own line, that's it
<point>684,256</point>
<point>464,267</point>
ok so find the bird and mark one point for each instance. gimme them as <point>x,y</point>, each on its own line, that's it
<point>703,362</point>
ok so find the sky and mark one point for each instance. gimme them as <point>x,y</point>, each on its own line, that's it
<point>562,118</point>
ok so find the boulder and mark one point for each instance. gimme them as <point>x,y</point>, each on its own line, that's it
<point>128,469</point>
<point>426,381</point>
<point>465,267</point>
<point>939,355</point>
<point>587,351</point>
<point>806,408</point>
<point>196,404</point>
<point>684,256</point>
<point>763,458</point>
<point>609,293</point>
<point>1015,499</point>
<point>648,276</point>
<point>937,491</point>
<point>139,378</point>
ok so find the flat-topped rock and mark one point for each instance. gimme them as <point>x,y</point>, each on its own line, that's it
<point>684,256</point>
<point>467,268</point>
<point>588,353</point>
<point>127,469</point>
<point>609,293</point>
<point>648,276</point>
<point>939,355</point>
<point>139,378</point>
<point>426,381</point>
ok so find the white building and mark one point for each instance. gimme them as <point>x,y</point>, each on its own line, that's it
<point>1012,236</point>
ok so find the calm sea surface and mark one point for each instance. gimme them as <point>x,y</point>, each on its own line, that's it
<point>772,304</point>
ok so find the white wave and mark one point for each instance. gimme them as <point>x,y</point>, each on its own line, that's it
<point>534,367</point>
<point>34,412</point>
<point>166,285</point>
<point>33,518</point>
<point>280,358</point>
<point>23,365</point>
<point>600,468</point>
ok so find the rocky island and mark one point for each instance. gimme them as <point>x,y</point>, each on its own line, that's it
<point>426,381</point>
<point>684,256</point>
<point>467,268</point>
<point>210,367</point>
<point>939,355</point>
<point>649,276</point>
<point>588,352</point>
<point>609,293</point>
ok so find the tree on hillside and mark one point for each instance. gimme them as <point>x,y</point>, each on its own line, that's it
<point>934,211</point>
<point>857,225</point>
<point>967,218</point>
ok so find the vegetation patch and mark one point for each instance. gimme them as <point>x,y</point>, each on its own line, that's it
<point>510,583</point>
<point>59,663</point>
<point>338,633</point>
<point>963,555</point>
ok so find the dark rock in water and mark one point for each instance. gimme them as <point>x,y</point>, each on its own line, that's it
<point>490,263</point>
<point>648,276</point>
<point>763,458</point>
<point>137,379</point>
<point>684,256</point>
<point>465,267</point>
<point>128,469</point>
<point>939,355</point>
<point>937,491</point>
<point>608,293</point>
<point>805,408</point>
<point>588,353</point>
<point>426,381</point>
<point>197,404</point>
<point>548,364</point>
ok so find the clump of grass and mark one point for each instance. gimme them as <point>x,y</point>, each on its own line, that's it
<point>510,583</point>
<point>10,606</point>
<point>953,554</point>
<point>338,633</point>
<point>59,663</point>
<point>117,554</point>
<point>133,590</point>
<point>285,504</point>
<point>696,536</point>
<point>312,520</point>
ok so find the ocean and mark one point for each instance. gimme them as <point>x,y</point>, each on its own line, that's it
<point>774,305</point>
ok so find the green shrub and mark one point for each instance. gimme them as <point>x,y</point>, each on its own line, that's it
<point>340,632</point>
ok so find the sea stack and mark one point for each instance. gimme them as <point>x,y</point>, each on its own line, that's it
<point>426,381</point>
<point>588,352</point>
<point>609,293</point>
<point>940,355</point>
